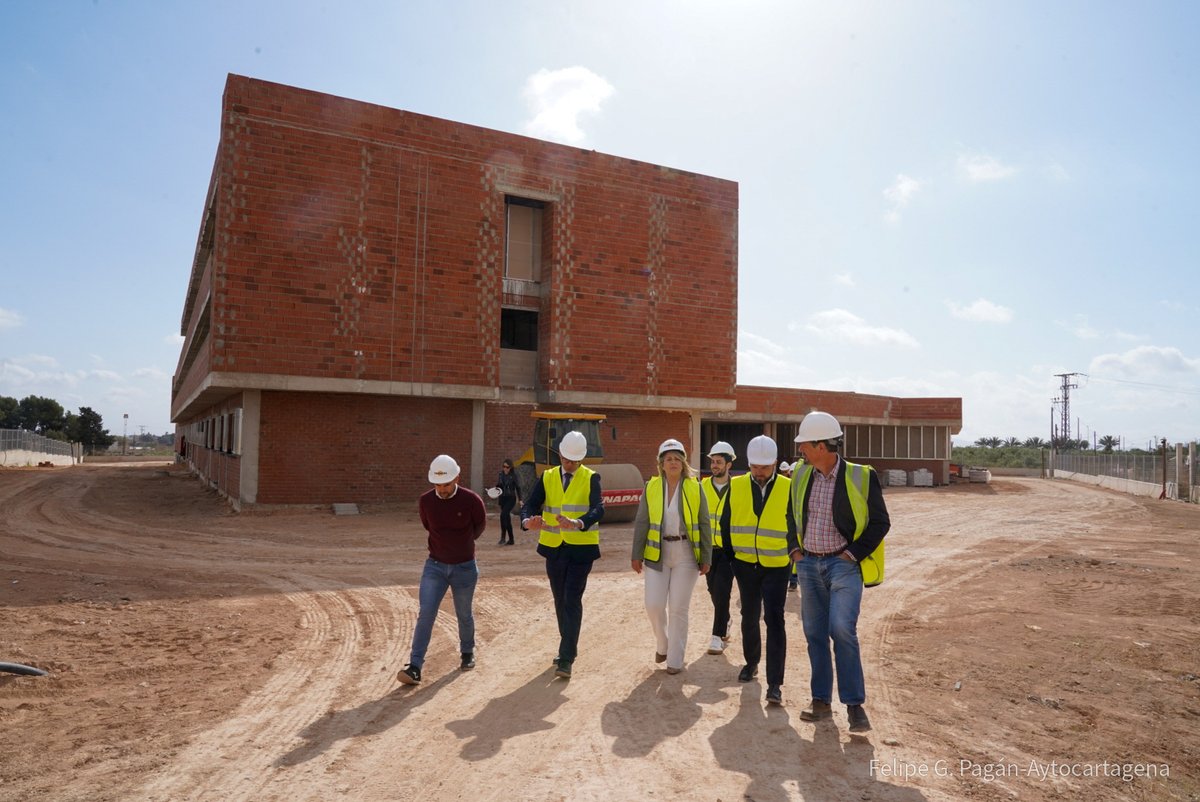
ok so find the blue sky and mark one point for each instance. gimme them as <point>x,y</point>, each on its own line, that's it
<point>937,198</point>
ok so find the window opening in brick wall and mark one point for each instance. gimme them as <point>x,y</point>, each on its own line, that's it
<point>523,239</point>
<point>519,329</point>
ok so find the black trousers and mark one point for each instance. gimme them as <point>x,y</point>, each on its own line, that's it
<point>568,581</point>
<point>720,587</point>
<point>763,592</point>
<point>506,507</point>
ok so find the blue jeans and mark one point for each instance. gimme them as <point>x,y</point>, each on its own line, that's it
<point>436,578</point>
<point>830,595</point>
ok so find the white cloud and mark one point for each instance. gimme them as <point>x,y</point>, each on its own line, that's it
<point>557,98</point>
<point>899,195</point>
<point>977,168</point>
<point>1147,361</point>
<point>838,325</point>
<point>174,340</point>
<point>1057,172</point>
<point>755,342</point>
<point>151,373</point>
<point>10,319</point>
<point>981,311</point>
<point>1080,327</point>
<point>845,279</point>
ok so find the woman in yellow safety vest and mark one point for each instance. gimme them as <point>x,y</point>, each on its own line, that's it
<point>672,537</point>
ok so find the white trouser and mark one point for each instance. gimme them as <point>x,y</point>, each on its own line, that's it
<point>668,597</point>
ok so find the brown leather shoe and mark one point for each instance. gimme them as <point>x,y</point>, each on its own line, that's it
<point>659,657</point>
<point>817,711</point>
<point>858,718</point>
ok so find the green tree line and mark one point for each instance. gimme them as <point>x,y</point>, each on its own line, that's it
<point>46,417</point>
<point>1013,452</point>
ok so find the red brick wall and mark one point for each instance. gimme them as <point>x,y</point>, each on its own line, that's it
<point>639,434</point>
<point>322,448</point>
<point>357,241</point>
<point>770,401</point>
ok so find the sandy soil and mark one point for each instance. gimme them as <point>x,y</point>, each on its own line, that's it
<point>1030,636</point>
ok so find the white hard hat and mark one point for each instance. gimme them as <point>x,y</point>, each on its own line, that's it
<point>671,445</point>
<point>762,451</point>
<point>573,446</point>
<point>783,466</point>
<point>722,449</point>
<point>443,469</point>
<point>818,426</point>
<point>493,492</point>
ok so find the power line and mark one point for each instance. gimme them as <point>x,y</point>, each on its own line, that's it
<point>1167,387</point>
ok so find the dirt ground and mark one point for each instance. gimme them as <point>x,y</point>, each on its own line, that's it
<point>1034,640</point>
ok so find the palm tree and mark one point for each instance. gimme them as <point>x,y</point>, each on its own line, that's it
<point>1109,442</point>
<point>1035,442</point>
<point>1012,442</point>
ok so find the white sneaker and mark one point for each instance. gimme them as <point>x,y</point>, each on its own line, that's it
<point>716,645</point>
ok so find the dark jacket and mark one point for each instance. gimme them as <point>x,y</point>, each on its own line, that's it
<point>878,522</point>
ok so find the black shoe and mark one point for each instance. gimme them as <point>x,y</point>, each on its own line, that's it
<point>468,661</point>
<point>563,670</point>
<point>774,695</point>
<point>816,711</point>
<point>501,543</point>
<point>791,589</point>
<point>410,675</point>
<point>511,543</point>
<point>747,673</point>
<point>858,718</point>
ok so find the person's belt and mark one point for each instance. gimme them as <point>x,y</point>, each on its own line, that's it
<point>808,553</point>
<point>673,537</point>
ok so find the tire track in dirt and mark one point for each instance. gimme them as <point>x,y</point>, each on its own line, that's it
<point>236,760</point>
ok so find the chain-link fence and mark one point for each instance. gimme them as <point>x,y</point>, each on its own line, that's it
<point>21,440</point>
<point>1158,470</point>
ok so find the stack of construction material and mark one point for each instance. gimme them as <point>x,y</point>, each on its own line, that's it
<point>979,475</point>
<point>920,478</point>
<point>893,478</point>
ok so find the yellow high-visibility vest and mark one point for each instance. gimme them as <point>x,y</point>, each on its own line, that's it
<point>572,503</point>
<point>655,504</point>
<point>716,503</point>
<point>858,486</point>
<point>759,539</point>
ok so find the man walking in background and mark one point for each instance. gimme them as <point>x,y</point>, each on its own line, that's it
<point>720,576</point>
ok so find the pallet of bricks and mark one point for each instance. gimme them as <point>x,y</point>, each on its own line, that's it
<point>921,477</point>
<point>893,478</point>
<point>979,475</point>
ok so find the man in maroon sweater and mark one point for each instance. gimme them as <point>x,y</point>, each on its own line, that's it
<point>454,518</point>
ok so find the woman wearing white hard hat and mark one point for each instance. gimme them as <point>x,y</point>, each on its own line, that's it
<point>672,537</point>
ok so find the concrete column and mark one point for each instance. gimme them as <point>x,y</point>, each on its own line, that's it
<point>1179,493</point>
<point>477,440</point>
<point>694,448</point>
<point>251,423</point>
<point>1192,472</point>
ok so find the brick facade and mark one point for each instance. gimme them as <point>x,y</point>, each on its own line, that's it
<point>349,285</point>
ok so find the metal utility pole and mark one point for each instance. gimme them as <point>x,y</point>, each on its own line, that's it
<point>1067,387</point>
